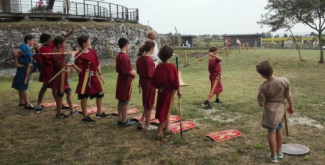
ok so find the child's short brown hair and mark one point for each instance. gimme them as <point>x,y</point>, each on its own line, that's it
<point>264,68</point>
<point>213,49</point>
<point>165,53</point>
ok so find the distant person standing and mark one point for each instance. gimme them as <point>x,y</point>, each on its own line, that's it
<point>50,6</point>
<point>66,6</point>
<point>238,42</point>
<point>152,36</point>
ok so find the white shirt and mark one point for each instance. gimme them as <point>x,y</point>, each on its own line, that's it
<point>238,42</point>
<point>155,54</point>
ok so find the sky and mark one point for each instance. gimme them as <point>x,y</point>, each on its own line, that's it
<point>204,16</point>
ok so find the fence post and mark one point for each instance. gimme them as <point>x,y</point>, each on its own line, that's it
<point>76,9</point>
<point>87,9</point>
<point>127,13</point>
<point>122,12</point>
<point>239,48</point>
<point>117,10</point>
<point>98,9</point>
<point>84,8</point>
<point>137,14</point>
<point>94,10</point>
<point>110,11</point>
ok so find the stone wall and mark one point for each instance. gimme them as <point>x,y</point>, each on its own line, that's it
<point>11,35</point>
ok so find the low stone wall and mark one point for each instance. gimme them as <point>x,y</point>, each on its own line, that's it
<point>11,35</point>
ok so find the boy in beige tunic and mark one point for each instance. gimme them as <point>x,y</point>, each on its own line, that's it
<point>271,96</point>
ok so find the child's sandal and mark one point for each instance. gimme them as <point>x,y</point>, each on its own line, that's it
<point>161,139</point>
<point>140,125</point>
<point>169,134</point>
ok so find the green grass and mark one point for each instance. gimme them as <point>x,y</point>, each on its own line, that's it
<point>27,138</point>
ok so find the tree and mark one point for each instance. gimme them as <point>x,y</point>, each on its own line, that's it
<point>313,34</point>
<point>285,14</point>
<point>277,36</point>
<point>269,35</point>
<point>285,35</point>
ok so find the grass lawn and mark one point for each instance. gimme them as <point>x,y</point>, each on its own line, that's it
<point>27,138</point>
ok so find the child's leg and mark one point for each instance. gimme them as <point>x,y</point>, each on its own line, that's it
<point>167,130</point>
<point>272,141</point>
<point>279,140</point>
<point>160,128</point>
<point>99,103</point>
<point>69,100</point>
<point>217,96</point>
<point>71,73</point>
<point>21,100</point>
<point>124,112</point>
<point>41,95</point>
<point>84,107</point>
<point>58,104</point>
<point>148,117</point>
<point>144,114</point>
<point>119,110</point>
<point>24,96</point>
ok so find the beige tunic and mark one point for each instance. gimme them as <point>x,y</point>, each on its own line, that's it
<point>271,96</point>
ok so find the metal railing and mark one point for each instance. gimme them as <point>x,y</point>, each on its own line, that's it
<point>83,8</point>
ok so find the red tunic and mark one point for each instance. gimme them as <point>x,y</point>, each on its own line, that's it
<point>146,69</point>
<point>58,61</point>
<point>82,62</point>
<point>47,68</point>
<point>124,80</point>
<point>215,70</point>
<point>166,80</point>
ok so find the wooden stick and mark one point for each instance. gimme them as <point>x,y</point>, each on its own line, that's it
<point>180,115</point>
<point>63,53</point>
<point>84,84</point>
<point>130,92</point>
<point>171,104</point>
<point>63,68</point>
<point>199,59</point>
<point>62,80</point>
<point>286,123</point>
<point>29,69</point>
<point>56,75</point>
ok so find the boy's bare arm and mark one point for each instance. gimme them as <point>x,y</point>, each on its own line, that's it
<point>290,108</point>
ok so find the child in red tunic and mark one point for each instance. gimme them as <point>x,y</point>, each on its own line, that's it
<point>89,59</point>
<point>215,74</point>
<point>58,61</point>
<point>145,69</point>
<point>124,83</point>
<point>47,68</point>
<point>166,80</point>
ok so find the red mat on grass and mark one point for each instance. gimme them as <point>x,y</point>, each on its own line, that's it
<point>92,110</point>
<point>224,135</point>
<point>46,105</point>
<point>172,119</point>
<point>186,125</point>
<point>130,111</point>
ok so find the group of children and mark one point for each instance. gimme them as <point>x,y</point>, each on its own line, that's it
<point>154,78</point>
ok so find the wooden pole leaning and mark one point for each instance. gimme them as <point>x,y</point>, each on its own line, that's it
<point>84,83</point>
<point>286,123</point>
<point>83,51</point>
<point>29,69</point>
